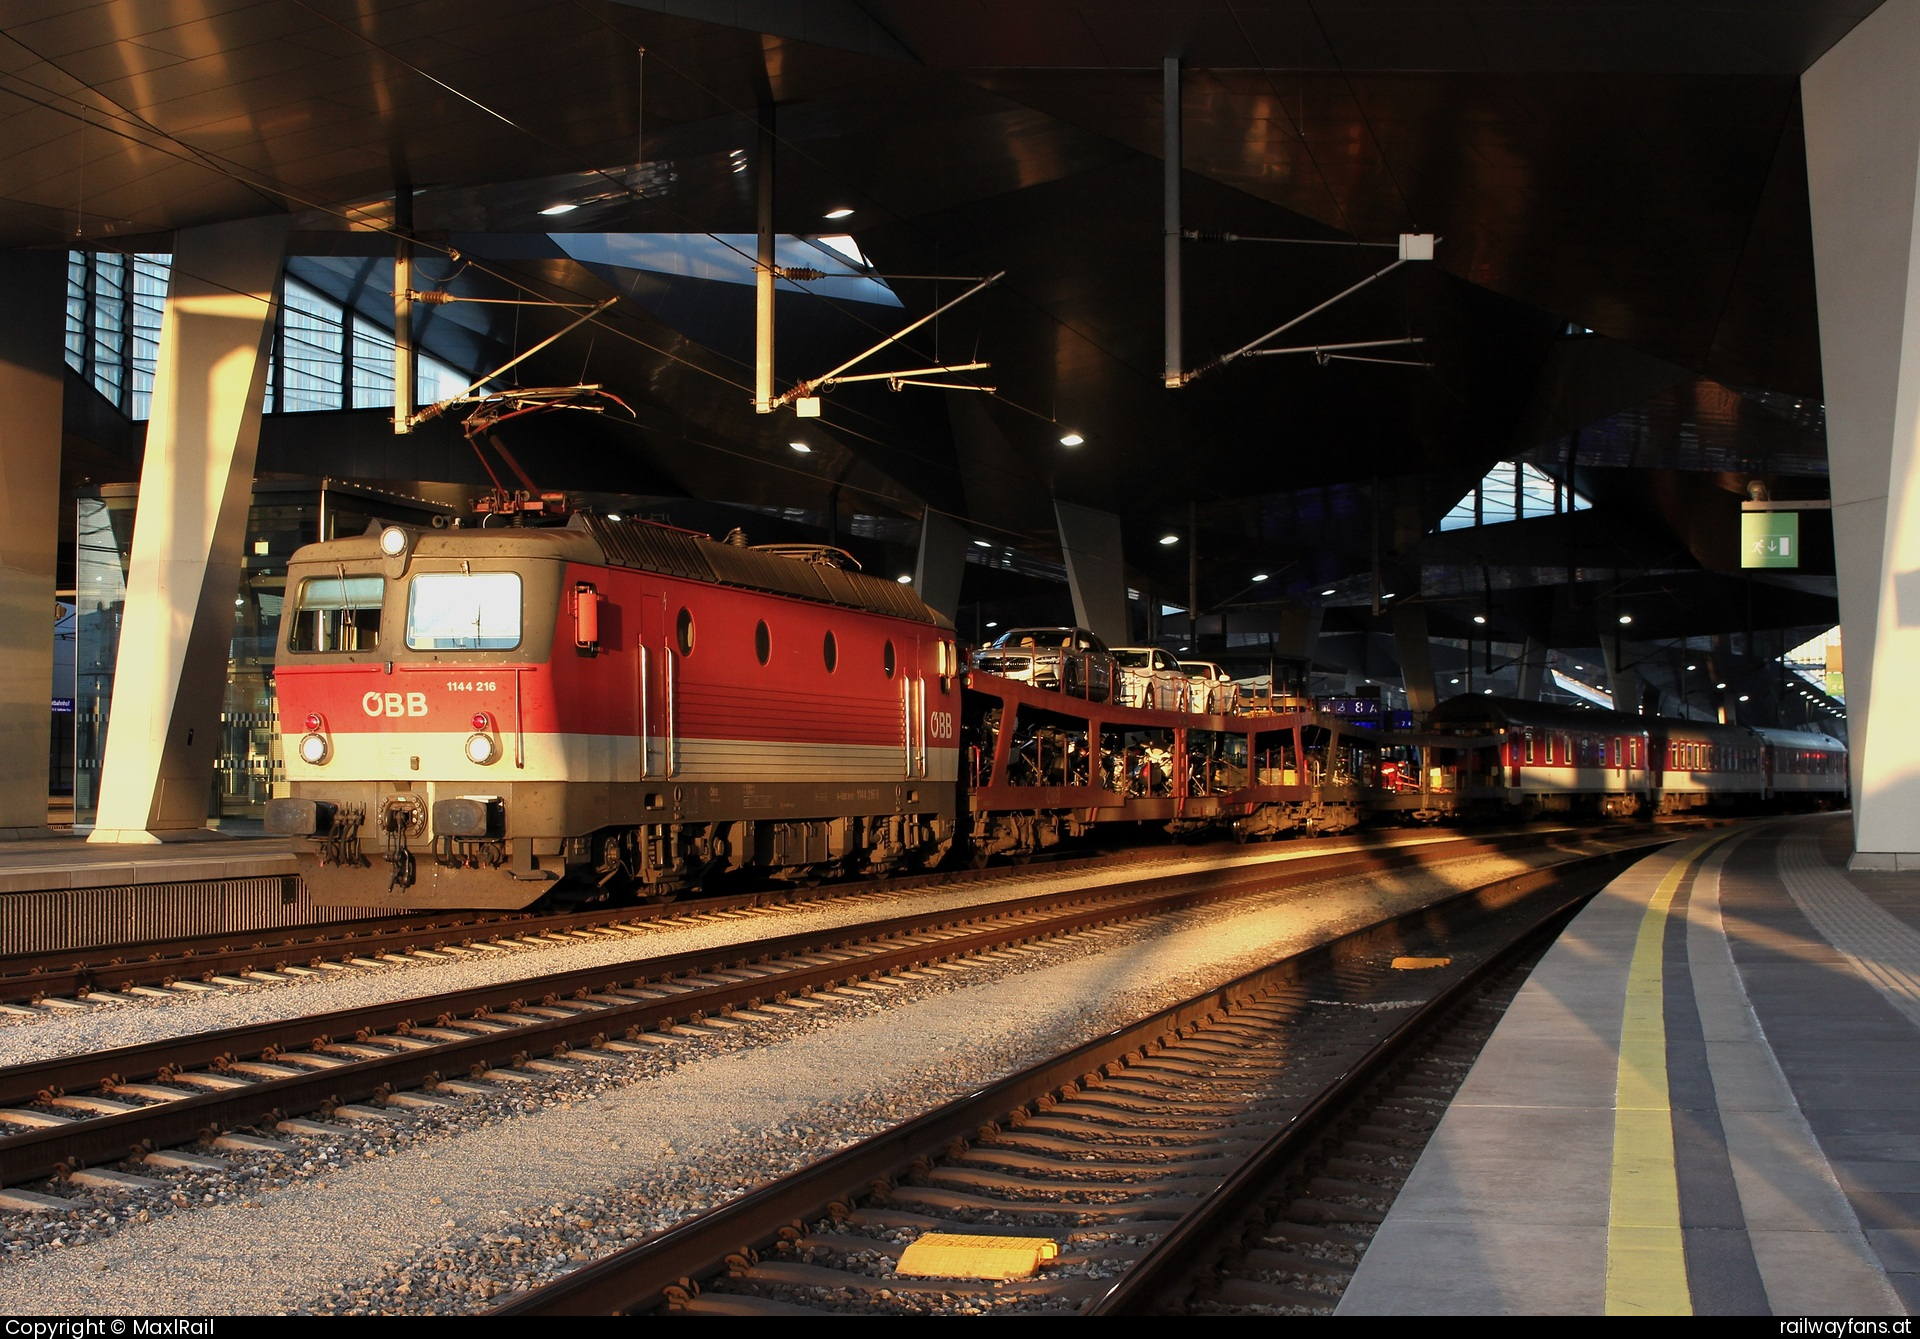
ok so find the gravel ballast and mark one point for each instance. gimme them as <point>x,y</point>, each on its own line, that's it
<point>442,1211</point>
<point>137,1019</point>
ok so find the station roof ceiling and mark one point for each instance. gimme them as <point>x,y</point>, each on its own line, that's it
<point>1622,291</point>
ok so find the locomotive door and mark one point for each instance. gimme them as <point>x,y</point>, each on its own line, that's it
<point>913,703</point>
<point>653,675</point>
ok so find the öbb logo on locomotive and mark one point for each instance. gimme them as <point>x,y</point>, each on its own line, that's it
<point>394,704</point>
<point>822,724</point>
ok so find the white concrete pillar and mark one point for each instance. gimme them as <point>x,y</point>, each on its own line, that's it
<point>195,485</point>
<point>31,338</point>
<point>1863,164</point>
<point>1096,570</point>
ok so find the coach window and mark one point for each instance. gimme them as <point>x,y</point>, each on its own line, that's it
<point>683,632</point>
<point>762,642</point>
<point>1529,746</point>
<point>886,658</point>
<point>830,651</point>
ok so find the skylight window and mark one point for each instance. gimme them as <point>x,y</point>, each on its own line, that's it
<point>1513,491</point>
<point>728,258</point>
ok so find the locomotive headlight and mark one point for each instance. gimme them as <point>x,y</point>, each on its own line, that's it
<point>482,749</point>
<point>313,749</point>
<point>393,541</point>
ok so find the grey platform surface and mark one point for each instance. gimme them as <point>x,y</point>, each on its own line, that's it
<point>62,862</point>
<point>1791,1009</point>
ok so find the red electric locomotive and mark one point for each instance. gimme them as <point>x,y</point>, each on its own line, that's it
<point>474,714</point>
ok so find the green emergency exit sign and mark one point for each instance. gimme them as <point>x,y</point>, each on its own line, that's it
<point>1769,539</point>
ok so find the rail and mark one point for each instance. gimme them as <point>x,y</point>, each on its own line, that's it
<point>669,1267</point>
<point>298,1064</point>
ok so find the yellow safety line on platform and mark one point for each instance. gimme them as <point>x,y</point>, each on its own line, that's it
<point>1646,1256</point>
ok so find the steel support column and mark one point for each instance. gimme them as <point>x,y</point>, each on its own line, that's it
<point>1415,650</point>
<point>30,396</point>
<point>1622,681</point>
<point>1096,570</point>
<point>1299,633</point>
<point>942,561</point>
<point>1533,670</point>
<point>195,485</point>
<point>1171,154</point>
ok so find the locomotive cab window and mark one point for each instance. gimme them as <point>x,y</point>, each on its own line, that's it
<point>830,651</point>
<point>337,615</point>
<point>683,632</point>
<point>461,611</point>
<point>762,642</point>
<point>886,659</point>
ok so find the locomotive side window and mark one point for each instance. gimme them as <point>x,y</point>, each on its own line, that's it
<point>337,615</point>
<point>762,642</point>
<point>683,632</point>
<point>886,658</point>
<point>460,611</point>
<point>830,651</point>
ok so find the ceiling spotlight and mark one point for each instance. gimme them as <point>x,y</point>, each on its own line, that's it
<point>1072,439</point>
<point>1169,539</point>
<point>840,212</point>
<point>1328,591</point>
<point>1719,685</point>
<point>551,210</point>
<point>613,516</point>
<point>1259,576</point>
<point>1479,618</point>
<point>904,579</point>
<point>801,447</point>
<point>1691,668</point>
<point>1626,618</point>
<point>1487,691</point>
<point>992,624</point>
<point>1743,697</point>
<point>1453,681</point>
<point>1387,596</point>
<point>981,544</point>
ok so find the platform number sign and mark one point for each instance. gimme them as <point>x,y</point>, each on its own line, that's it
<point>1769,539</point>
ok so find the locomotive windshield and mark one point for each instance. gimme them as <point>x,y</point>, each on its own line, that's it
<point>458,611</point>
<point>337,614</point>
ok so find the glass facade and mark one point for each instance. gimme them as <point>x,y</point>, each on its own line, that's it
<point>285,515</point>
<point>114,303</point>
<point>323,357</point>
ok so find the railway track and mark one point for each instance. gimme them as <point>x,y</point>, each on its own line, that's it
<point>1291,1244</point>
<point>1137,1155</point>
<point>70,975</point>
<point>65,1115</point>
<point>73,973</point>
